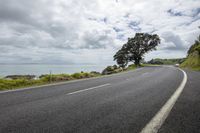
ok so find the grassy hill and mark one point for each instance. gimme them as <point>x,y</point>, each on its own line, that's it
<point>193,59</point>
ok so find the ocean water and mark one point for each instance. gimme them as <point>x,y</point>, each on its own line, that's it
<point>36,69</point>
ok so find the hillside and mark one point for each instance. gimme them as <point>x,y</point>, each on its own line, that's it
<point>193,59</point>
<point>166,61</point>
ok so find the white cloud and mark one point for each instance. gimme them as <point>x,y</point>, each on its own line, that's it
<point>91,31</point>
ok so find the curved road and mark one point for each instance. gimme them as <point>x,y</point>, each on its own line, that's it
<point>120,103</point>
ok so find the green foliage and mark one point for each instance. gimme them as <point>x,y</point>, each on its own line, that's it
<point>192,61</point>
<point>131,67</point>
<point>193,58</point>
<point>17,83</point>
<point>114,69</point>
<point>43,79</point>
<point>28,77</point>
<point>195,46</point>
<point>111,70</point>
<point>135,48</point>
<point>55,77</point>
<point>121,58</point>
<point>82,75</point>
<point>159,61</point>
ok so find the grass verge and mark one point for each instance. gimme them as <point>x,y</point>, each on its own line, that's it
<point>9,84</point>
<point>19,83</point>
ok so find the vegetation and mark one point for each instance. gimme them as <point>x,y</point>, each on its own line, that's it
<point>23,81</point>
<point>111,70</point>
<point>193,58</point>
<point>195,46</point>
<point>159,61</point>
<point>135,48</point>
<point>192,61</point>
<point>121,58</point>
<point>17,83</point>
<point>20,81</point>
<point>131,67</point>
<point>114,69</point>
<point>20,76</point>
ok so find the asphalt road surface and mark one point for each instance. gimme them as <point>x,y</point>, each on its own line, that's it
<point>121,103</point>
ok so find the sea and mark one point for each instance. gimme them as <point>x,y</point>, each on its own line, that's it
<point>39,69</point>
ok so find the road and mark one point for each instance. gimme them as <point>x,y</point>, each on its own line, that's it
<point>121,103</point>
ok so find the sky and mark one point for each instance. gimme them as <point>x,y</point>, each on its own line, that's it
<point>92,31</point>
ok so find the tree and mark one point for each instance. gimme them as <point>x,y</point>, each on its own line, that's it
<point>121,58</point>
<point>136,47</point>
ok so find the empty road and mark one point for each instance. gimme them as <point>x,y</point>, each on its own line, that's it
<point>127,102</point>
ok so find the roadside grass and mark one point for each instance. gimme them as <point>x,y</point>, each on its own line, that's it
<point>192,62</point>
<point>192,68</point>
<point>9,84</point>
<point>144,65</point>
<point>131,67</point>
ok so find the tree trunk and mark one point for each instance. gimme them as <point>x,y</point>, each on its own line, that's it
<point>137,63</point>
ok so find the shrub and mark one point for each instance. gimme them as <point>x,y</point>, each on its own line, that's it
<point>77,75</point>
<point>21,76</point>
<point>55,77</point>
<point>111,69</point>
<point>82,75</point>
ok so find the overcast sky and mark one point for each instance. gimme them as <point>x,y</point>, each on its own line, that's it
<point>91,31</point>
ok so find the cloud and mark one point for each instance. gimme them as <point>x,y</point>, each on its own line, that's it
<point>91,31</point>
<point>172,42</point>
<point>175,13</point>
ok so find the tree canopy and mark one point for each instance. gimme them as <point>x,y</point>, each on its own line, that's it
<point>135,48</point>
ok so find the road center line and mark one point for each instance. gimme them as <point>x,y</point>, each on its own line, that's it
<point>156,122</point>
<point>88,89</point>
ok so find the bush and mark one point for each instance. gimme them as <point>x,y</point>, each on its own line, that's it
<point>55,77</point>
<point>77,75</point>
<point>111,70</point>
<point>20,77</point>
<point>95,73</point>
<point>82,75</point>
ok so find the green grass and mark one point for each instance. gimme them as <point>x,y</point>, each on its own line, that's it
<point>192,61</point>
<point>131,67</point>
<point>166,61</point>
<point>9,84</point>
<point>6,84</point>
<point>143,65</point>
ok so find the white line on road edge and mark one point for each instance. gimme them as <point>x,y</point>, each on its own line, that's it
<point>88,89</point>
<point>156,122</point>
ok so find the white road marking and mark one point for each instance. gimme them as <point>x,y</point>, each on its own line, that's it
<point>156,122</point>
<point>88,89</point>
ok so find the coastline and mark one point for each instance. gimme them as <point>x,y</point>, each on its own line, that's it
<point>13,82</point>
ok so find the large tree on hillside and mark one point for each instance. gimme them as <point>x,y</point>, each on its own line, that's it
<point>136,47</point>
